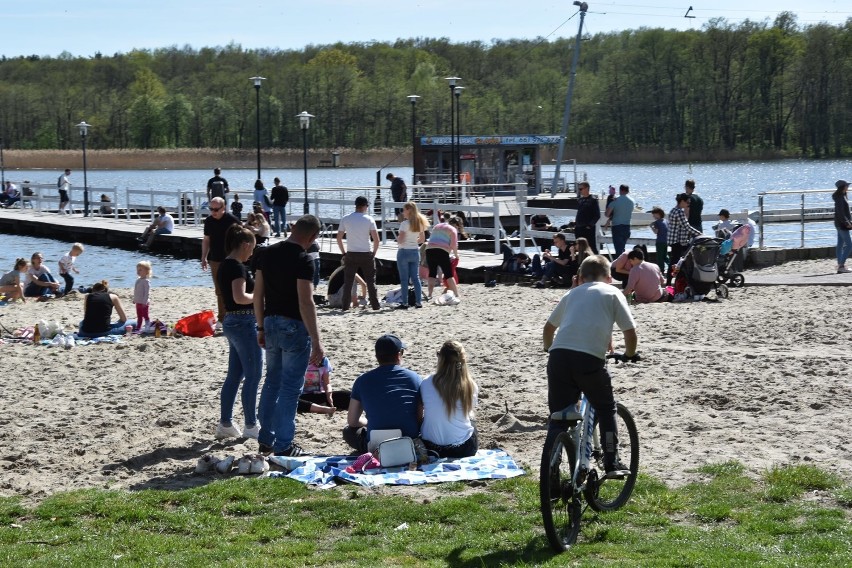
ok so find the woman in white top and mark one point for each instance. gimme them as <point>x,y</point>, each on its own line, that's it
<point>411,236</point>
<point>449,397</point>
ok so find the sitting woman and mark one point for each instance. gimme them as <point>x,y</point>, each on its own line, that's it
<point>97,313</point>
<point>256,223</point>
<point>40,282</point>
<point>335,287</point>
<point>11,285</point>
<point>449,397</point>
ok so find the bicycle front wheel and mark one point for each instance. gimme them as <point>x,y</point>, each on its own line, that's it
<point>608,493</point>
<point>560,506</point>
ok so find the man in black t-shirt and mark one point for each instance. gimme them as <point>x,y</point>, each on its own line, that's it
<point>399,191</point>
<point>287,328</point>
<point>588,215</point>
<point>280,196</point>
<point>213,246</point>
<point>217,186</point>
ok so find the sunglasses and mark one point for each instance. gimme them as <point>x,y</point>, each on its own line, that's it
<point>216,210</point>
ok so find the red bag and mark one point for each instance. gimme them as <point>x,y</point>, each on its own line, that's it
<point>201,324</point>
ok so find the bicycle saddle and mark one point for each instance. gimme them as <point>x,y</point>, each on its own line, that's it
<point>567,414</point>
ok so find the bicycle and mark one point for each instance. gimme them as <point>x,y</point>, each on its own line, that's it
<point>573,438</point>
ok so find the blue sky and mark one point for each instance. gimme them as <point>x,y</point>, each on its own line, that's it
<point>84,27</point>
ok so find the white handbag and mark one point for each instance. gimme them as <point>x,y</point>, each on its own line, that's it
<point>396,452</point>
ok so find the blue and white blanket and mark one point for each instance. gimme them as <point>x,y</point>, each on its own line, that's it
<point>326,472</point>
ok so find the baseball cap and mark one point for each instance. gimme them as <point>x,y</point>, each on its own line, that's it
<point>840,183</point>
<point>389,344</point>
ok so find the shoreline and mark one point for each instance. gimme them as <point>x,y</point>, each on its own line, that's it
<point>291,158</point>
<point>733,380</point>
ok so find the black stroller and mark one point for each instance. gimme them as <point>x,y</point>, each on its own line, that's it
<point>699,269</point>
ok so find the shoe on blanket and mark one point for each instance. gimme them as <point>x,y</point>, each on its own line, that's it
<point>364,461</point>
<point>244,464</point>
<point>294,451</point>
<point>258,464</point>
<point>206,463</point>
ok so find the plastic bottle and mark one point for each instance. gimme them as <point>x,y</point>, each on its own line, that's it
<point>157,329</point>
<point>36,334</point>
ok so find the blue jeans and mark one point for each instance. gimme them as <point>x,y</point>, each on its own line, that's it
<point>245,360</point>
<point>116,328</point>
<point>408,265</point>
<point>620,234</point>
<point>844,246</point>
<point>317,268</point>
<point>278,213</point>
<point>288,348</point>
<point>34,291</point>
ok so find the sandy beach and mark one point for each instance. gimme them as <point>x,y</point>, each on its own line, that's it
<point>761,378</point>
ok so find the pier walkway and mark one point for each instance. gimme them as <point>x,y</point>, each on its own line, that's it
<point>186,242</point>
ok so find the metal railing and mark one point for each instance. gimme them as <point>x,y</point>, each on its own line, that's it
<point>803,208</point>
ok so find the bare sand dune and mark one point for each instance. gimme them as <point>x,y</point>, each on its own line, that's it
<point>761,378</point>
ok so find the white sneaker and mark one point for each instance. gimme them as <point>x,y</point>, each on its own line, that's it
<point>206,463</point>
<point>218,328</point>
<point>251,432</point>
<point>258,464</point>
<point>231,431</point>
<point>224,466</point>
<point>244,465</point>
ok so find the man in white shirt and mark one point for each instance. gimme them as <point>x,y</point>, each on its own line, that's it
<point>359,228</point>
<point>577,356</point>
<point>163,225</point>
<point>63,184</point>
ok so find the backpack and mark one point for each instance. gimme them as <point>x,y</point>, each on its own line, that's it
<point>59,181</point>
<point>217,189</point>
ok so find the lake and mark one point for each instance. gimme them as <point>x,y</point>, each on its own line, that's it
<point>732,185</point>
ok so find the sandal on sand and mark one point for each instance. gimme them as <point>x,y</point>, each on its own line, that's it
<point>258,464</point>
<point>244,465</point>
<point>206,463</point>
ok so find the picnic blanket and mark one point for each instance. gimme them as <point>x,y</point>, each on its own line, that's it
<point>326,471</point>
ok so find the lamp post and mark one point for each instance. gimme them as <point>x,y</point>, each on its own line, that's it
<point>413,100</point>
<point>2,167</point>
<point>457,92</point>
<point>452,81</point>
<point>305,124</point>
<point>84,132</point>
<point>257,80</point>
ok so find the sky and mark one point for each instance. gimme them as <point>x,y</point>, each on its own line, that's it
<point>86,27</point>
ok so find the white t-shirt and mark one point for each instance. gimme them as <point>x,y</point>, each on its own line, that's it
<point>437,427</point>
<point>168,222</point>
<point>410,239</point>
<point>66,264</point>
<point>357,227</point>
<point>585,315</point>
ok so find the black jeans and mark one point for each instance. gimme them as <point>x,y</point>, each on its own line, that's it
<point>675,252</point>
<point>589,234</point>
<point>464,450</point>
<point>571,372</point>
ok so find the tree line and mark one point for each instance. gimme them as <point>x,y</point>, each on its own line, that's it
<point>747,86</point>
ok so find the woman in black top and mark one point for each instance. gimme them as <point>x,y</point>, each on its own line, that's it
<point>97,313</point>
<point>842,222</point>
<point>245,359</point>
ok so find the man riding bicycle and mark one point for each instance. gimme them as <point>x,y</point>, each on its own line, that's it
<point>584,318</point>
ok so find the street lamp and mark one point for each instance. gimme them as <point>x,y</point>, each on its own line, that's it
<point>413,100</point>
<point>257,80</point>
<point>452,81</point>
<point>84,132</point>
<point>305,124</point>
<point>457,92</point>
<point>2,167</point>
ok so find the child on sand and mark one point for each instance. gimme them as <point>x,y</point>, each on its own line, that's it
<point>11,285</point>
<point>661,229</point>
<point>141,292</point>
<point>66,266</point>
<point>317,395</point>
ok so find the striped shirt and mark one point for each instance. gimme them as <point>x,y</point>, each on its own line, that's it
<point>443,236</point>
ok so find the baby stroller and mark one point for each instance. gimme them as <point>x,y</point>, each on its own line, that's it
<point>733,255</point>
<point>698,270</point>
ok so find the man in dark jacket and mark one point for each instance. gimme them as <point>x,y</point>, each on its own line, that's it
<point>588,215</point>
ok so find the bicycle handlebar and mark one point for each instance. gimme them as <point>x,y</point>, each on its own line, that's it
<point>619,357</point>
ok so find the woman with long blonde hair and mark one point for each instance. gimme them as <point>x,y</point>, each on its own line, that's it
<point>449,397</point>
<point>412,232</point>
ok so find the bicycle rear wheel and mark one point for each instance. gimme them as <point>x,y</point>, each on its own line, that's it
<point>560,506</point>
<point>609,493</point>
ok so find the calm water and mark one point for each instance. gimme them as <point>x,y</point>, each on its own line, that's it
<point>732,185</point>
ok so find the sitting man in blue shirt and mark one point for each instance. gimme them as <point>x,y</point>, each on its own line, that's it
<point>389,395</point>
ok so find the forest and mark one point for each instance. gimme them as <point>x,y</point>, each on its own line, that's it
<point>758,88</point>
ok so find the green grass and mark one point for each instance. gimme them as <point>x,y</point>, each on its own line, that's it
<point>796,515</point>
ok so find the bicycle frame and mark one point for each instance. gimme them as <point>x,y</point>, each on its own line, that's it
<point>585,443</point>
